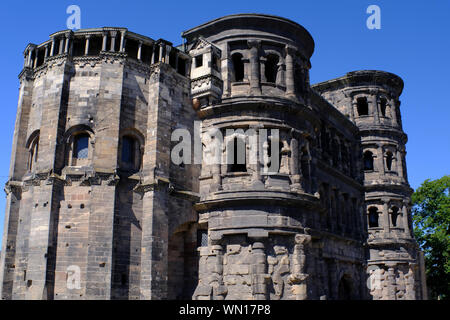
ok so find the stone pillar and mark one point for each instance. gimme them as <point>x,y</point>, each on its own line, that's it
<point>155,54</point>
<point>405,218</point>
<point>86,48</point>
<point>105,39</point>
<point>393,112</point>
<point>35,58</point>
<point>61,45</point>
<point>385,216</point>
<point>52,49</point>
<point>354,106</point>
<point>298,277</point>
<point>295,172</point>
<point>373,108</point>
<point>46,51</point>
<point>66,46</point>
<point>167,55</point>
<point>290,69</point>
<point>122,41</point>
<point>255,86</point>
<point>399,163</point>
<point>113,41</point>
<point>391,285</point>
<point>139,53</point>
<point>259,272</point>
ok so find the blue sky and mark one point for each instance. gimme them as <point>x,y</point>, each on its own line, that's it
<point>413,42</point>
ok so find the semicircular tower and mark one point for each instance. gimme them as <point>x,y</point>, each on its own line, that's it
<point>371,100</point>
<point>259,198</point>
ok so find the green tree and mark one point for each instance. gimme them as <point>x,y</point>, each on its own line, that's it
<point>431,217</point>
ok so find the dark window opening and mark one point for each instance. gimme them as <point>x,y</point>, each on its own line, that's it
<point>362,106</point>
<point>146,55</point>
<point>199,61</point>
<point>215,63</point>
<point>383,107</point>
<point>40,57</point>
<point>128,145</point>
<point>95,45</point>
<point>394,216</point>
<point>78,48</point>
<point>81,146</point>
<point>123,279</point>
<point>271,68</point>
<point>389,158</point>
<point>368,160</point>
<point>202,238</point>
<point>173,58</point>
<point>373,217</point>
<point>131,48</point>
<point>239,156</point>
<point>238,66</point>
<point>181,66</point>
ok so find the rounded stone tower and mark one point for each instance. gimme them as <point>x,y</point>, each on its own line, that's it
<point>371,100</point>
<point>260,208</point>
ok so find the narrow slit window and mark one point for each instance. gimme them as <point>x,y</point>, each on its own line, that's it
<point>389,158</point>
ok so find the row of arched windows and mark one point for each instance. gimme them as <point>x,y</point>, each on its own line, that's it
<point>79,150</point>
<point>337,151</point>
<point>368,160</point>
<point>374,217</point>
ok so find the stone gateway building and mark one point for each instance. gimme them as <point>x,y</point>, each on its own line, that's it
<point>98,209</point>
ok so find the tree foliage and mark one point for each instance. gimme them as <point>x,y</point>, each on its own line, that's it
<point>431,217</point>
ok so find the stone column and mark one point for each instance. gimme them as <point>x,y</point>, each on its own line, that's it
<point>52,49</point>
<point>385,217</point>
<point>66,46</point>
<point>139,53</point>
<point>290,78</point>
<point>46,52</point>
<point>35,58</point>
<point>353,108</point>
<point>405,218</point>
<point>393,112</point>
<point>167,55</point>
<point>61,45</point>
<point>391,283</point>
<point>373,108</point>
<point>113,41</point>
<point>399,163</point>
<point>298,276</point>
<point>122,41</point>
<point>255,86</point>
<point>105,40</point>
<point>259,272</point>
<point>154,54</point>
<point>295,172</point>
<point>86,48</point>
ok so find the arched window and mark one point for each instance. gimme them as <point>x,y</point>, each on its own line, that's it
<point>362,106</point>
<point>33,150</point>
<point>368,160</point>
<point>373,217</point>
<point>238,67</point>
<point>81,146</point>
<point>383,104</point>
<point>394,216</point>
<point>78,145</point>
<point>389,158</point>
<point>239,156</point>
<point>130,153</point>
<point>271,68</point>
